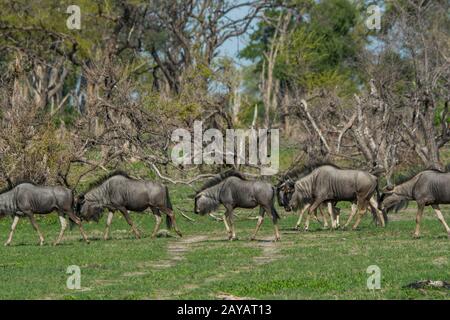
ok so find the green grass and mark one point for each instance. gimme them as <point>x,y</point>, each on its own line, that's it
<point>319,264</point>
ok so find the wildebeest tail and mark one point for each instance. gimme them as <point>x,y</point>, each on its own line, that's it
<point>169,222</point>
<point>377,189</point>
<point>74,210</point>
<point>275,215</point>
<point>396,204</point>
<point>168,202</point>
<point>379,200</point>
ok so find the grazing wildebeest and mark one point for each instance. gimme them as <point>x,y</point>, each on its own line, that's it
<point>330,184</point>
<point>232,190</point>
<point>284,196</point>
<point>285,189</point>
<point>26,199</point>
<point>427,188</point>
<point>118,191</point>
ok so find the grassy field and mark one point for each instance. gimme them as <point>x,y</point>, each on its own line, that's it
<point>319,264</point>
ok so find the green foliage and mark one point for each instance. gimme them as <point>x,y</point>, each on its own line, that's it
<point>321,47</point>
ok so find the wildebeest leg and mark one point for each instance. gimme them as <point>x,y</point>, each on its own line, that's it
<point>259,223</point>
<point>324,218</point>
<point>230,226</point>
<point>441,218</point>
<point>126,215</point>
<point>312,209</point>
<point>331,213</point>
<point>352,214</point>
<point>374,205</point>
<point>63,222</point>
<point>157,225</point>
<point>316,217</point>
<point>227,226</point>
<point>75,219</point>
<point>158,218</point>
<point>300,216</point>
<point>36,227</point>
<point>337,216</point>
<point>13,228</point>
<point>108,224</point>
<point>419,214</point>
<point>308,216</point>
<point>171,215</point>
<point>229,216</point>
<point>362,208</point>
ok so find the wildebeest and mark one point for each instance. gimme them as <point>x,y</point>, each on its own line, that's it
<point>330,184</point>
<point>285,189</point>
<point>26,199</point>
<point>232,190</point>
<point>118,191</point>
<point>427,188</point>
<point>284,194</point>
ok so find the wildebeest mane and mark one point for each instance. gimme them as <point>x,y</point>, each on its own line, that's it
<point>219,178</point>
<point>9,187</point>
<point>102,179</point>
<point>397,206</point>
<point>298,172</point>
<point>402,178</point>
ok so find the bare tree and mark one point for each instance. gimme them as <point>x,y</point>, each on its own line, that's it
<point>423,27</point>
<point>269,85</point>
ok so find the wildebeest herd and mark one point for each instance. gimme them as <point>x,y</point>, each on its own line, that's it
<point>308,189</point>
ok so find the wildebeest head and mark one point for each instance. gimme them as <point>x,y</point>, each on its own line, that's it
<point>285,189</point>
<point>393,201</point>
<point>204,204</point>
<point>87,210</point>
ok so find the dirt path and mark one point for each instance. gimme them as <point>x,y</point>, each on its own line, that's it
<point>270,251</point>
<point>177,251</point>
